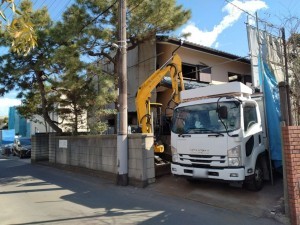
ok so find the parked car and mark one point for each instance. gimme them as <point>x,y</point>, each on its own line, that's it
<point>22,147</point>
<point>6,149</point>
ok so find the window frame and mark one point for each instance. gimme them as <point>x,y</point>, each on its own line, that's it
<point>250,117</point>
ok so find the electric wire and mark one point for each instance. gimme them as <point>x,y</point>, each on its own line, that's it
<point>11,13</point>
<point>41,5</point>
<point>260,20</point>
<point>93,20</point>
<point>153,57</point>
<point>218,64</point>
<point>60,12</point>
<point>136,6</point>
<point>49,7</point>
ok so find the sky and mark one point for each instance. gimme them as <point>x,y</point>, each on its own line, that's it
<point>219,24</point>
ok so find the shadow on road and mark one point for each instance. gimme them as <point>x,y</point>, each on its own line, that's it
<point>152,205</point>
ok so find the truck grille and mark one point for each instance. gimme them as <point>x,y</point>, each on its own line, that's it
<point>203,161</point>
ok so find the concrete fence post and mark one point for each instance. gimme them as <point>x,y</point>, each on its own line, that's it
<point>39,147</point>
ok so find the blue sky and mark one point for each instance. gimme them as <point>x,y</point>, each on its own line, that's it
<point>221,25</point>
<point>214,23</point>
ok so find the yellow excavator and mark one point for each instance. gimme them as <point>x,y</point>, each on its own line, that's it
<point>172,69</point>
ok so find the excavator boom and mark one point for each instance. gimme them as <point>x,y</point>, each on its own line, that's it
<point>174,70</point>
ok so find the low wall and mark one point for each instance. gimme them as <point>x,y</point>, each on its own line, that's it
<point>99,152</point>
<point>92,152</point>
<point>40,149</point>
<point>291,145</point>
<point>141,159</point>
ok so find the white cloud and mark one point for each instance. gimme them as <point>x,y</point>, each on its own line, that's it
<point>208,38</point>
<point>5,103</point>
<point>216,45</point>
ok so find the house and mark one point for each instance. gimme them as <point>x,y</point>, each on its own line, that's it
<point>25,127</point>
<point>201,66</point>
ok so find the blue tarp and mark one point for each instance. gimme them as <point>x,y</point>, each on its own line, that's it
<point>266,58</point>
<point>8,136</point>
<point>272,107</point>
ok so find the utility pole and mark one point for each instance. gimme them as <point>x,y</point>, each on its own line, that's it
<point>290,119</point>
<point>288,122</point>
<point>122,143</point>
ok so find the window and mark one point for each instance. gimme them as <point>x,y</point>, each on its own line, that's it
<point>200,73</point>
<point>189,71</point>
<point>250,116</point>
<point>204,118</point>
<point>239,77</point>
<point>204,73</point>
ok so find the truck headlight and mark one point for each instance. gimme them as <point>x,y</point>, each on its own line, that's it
<point>174,154</point>
<point>233,161</point>
<point>175,157</point>
<point>234,156</point>
<point>173,150</point>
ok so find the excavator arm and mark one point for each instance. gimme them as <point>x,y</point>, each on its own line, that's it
<point>143,96</point>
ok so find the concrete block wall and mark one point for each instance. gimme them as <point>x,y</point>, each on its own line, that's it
<point>91,152</point>
<point>291,148</point>
<point>51,148</point>
<point>141,159</point>
<point>99,152</point>
<point>39,147</point>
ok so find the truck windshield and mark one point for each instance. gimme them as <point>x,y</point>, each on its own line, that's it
<point>204,118</point>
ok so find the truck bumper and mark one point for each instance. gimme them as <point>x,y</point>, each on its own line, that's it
<point>226,174</point>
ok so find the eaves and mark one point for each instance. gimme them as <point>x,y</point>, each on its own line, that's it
<point>201,48</point>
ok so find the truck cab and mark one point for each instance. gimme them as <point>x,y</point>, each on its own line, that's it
<point>217,134</point>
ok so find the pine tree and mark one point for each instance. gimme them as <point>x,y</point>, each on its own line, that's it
<point>20,30</point>
<point>53,78</point>
<point>63,69</point>
<point>94,26</point>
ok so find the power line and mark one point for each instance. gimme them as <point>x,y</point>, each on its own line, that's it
<point>136,6</point>
<point>51,5</point>
<point>11,13</point>
<point>260,20</point>
<point>41,5</point>
<point>140,62</point>
<point>62,9</point>
<point>93,20</point>
<point>218,64</point>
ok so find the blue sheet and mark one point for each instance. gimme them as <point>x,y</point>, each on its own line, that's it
<point>272,107</point>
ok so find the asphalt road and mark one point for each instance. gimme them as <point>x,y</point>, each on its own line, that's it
<point>38,194</point>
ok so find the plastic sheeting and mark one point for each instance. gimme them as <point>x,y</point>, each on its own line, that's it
<point>272,107</point>
<point>267,71</point>
<point>8,136</point>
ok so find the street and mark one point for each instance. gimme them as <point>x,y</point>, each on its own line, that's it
<point>39,194</point>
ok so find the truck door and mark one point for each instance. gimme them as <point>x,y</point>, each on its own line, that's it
<point>252,132</point>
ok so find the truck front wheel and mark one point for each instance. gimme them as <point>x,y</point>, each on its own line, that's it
<point>256,181</point>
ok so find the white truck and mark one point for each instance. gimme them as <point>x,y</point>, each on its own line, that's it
<point>218,133</point>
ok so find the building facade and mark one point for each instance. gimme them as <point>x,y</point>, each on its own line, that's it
<point>201,66</point>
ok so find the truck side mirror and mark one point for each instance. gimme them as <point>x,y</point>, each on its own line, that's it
<point>222,111</point>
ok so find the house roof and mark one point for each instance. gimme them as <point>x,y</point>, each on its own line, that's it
<point>201,48</point>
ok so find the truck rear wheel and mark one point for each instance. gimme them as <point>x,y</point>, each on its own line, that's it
<point>256,181</point>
